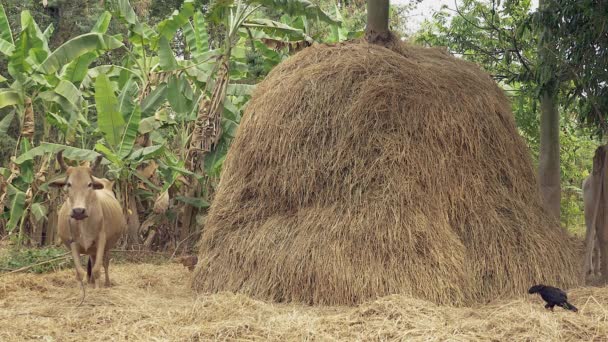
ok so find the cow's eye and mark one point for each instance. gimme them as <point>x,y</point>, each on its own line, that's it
<point>90,185</point>
<point>69,185</point>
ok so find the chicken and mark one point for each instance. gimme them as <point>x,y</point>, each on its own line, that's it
<point>553,296</point>
<point>189,261</point>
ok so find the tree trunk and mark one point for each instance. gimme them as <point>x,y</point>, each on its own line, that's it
<point>549,172</point>
<point>377,31</point>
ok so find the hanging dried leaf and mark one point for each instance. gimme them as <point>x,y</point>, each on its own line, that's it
<point>147,224</point>
<point>4,185</point>
<point>207,127</point>
<point>149,170</point>
<point>162,203</point>
<point>27,129</point>
<point>41,174</point>
<point>183,180</point>
<point>292,47</point>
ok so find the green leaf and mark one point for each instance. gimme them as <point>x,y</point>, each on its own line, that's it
<point>177,88</point>
<point>9,98</point>
<point>102,24</point>
<point>6,48</point>
<point>70,93</point>
<point>17,204</point>
<point>147,152</point>
<point>31,48</point>
<point>130,133</point>
<point>126,12</point>
<point>196,35</point>
<point>110,121</point>
<point>277,30</point>
<point>237,89</point>
<point>157,97</point>
<point>76,47</point>
<point>229,127</point>
<point>39,211</point>
<point>297,7</point>
<point>48,32</point>
<point>125,99</point>
<point>141,34</point>
<point>57,121</point>
<point>165,55</point>
<point>5,123</point>
<point>72,153</point>
<point>110,155</point>
<point>52,96</point>
<point>77,70</point>
<point>169,26</point>
<point>146,181</point>
<point>5,29</point>
<point>108,70</point>
<point>148,125</point>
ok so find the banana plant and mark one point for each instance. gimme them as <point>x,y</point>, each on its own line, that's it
<point>238,17</point>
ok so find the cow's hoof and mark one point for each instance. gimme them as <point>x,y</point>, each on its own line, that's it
<point>81,277</point>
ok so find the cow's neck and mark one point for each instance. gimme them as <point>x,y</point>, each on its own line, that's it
<point>88,229</point>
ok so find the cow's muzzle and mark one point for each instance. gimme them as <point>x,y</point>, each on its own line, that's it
<point>79,214</point>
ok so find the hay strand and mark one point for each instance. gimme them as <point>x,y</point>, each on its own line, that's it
<point>156,303</point>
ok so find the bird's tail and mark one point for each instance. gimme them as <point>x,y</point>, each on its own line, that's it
<point>570,307</point>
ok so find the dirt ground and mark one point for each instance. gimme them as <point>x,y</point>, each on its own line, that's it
<point>154,303</point>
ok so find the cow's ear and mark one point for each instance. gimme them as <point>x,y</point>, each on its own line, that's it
<point>97,185</point>
<point>60,183</point>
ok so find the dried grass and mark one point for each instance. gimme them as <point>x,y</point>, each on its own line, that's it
<point>359,172</point>
<point>155,303</point>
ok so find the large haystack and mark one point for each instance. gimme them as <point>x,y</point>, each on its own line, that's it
<point>360,171</point>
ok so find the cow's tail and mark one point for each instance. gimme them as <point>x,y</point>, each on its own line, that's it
<point>89,269</point>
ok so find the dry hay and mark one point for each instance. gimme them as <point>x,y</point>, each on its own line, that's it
<point>155,303</point>
<point>359,172</point>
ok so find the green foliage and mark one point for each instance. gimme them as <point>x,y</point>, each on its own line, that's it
<point>503,38</point>
<point>581,43</point>
<point>110,121</point>
<point>16,206</point>
<point>17,258</point>
<point>76,47</point>
<point>136,102</point>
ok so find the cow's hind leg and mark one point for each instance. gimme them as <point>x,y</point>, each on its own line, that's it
<point>90,264</point>
<point>106,266</point>
<point>604,257</point>
<point>597,258</point>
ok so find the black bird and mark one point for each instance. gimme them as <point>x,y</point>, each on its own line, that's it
<point>553,296</point>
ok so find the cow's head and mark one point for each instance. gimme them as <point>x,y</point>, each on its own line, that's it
<point>79,185</point>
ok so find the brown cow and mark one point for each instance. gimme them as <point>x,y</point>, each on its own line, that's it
<point>592,246</point>
<point>595,197</point>
<point>90,220</point>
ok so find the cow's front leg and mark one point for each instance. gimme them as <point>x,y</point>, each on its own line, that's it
<point>80,272</point>
<point>101,246</point>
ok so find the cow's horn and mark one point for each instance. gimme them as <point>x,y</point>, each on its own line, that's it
<point>61,161</point>
<point>96,162</point>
